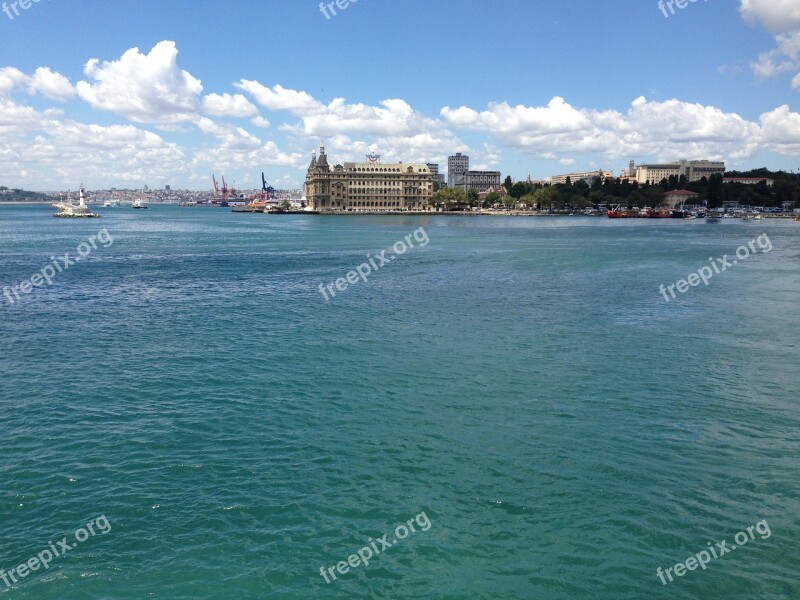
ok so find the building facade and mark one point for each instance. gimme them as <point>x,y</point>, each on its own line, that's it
<point>693,170</point>
<point>367,187</point>
<point>749,180</point>
<point>588,177</point>
<point>479,180</point>
<point>457,165</point>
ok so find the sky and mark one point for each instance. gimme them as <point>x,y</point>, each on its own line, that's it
<point>126,94</point>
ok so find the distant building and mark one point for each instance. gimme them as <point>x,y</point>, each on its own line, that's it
<point>678,197</point>
<point>588,177</point>
<point>500,190</point>
<point>168,188</point>
<point>434,167</point>
<point>749,180</point>
<point>367,187</point>
<point>479,180</point>
<point>693,170</point>
<point>456,165</point>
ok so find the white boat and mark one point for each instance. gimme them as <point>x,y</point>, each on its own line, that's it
<point>139,203</point>
<point>77,211</point>
<point>108,203</point>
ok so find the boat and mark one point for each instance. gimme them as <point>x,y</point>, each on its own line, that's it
<point>618,212</point>
<point>187,203</point>
<point>254,206</point>
<point>75,211</point>
<point>108,203</point>
<point>139,203</point>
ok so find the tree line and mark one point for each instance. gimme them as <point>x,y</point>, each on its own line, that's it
<point>615,191</point>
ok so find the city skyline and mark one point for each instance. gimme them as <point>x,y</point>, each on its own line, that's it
<point>127,96</point>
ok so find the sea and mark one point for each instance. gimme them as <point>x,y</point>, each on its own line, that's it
<point>209,405</point>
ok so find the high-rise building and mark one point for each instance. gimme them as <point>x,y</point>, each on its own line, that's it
<point>367,187</point>
<point>456,165</point>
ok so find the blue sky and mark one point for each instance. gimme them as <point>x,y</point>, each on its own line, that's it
<point>179,89</point>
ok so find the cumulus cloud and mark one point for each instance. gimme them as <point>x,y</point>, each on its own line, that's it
<point>48,150</point>
<point>11,78</point>
<point>279,98</point>
<point>777,16</point>
<point>663,130</point>
<point>144,88</point>
<point>228,105</point>
<point>50,84</point>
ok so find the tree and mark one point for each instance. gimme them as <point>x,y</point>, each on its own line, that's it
<point>508,183</point>
<point>473,198</point>
<point>492,198</point>
<point>449,197</point>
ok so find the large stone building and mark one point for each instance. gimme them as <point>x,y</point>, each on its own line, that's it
<point>478,180</point>
<point>693,170</point>
<point>367,187</point>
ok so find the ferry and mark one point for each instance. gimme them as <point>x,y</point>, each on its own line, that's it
<point>139,203</point>
<point>108,203</point>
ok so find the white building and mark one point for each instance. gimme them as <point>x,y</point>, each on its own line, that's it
<point>693,170</point>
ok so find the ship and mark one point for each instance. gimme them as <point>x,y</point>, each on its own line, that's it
<point>139,203</point>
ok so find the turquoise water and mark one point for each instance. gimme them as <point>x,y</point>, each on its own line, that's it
<point>520,381</point>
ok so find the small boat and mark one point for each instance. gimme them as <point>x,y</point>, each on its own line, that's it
<point>187,203</point>
<point>108,203</point>
<point>139,203</point>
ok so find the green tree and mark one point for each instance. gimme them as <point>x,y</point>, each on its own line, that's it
<point>508,183</point>
<point>473,198</point>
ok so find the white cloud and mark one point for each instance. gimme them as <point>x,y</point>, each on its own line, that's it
<point>11,78</point>
<point>662,130</point>
<point>279,98</point>
<point>144,88</point>
<point>228,105</point>
<point>260,121</point>
<point>43,150</point>
<point>778,16</point>
<point>50,84</point>
<point>230,136</point>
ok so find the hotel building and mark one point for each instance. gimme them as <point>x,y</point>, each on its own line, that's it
<point>588,177</point>
<point>693,170</point>
<point>367,187</point>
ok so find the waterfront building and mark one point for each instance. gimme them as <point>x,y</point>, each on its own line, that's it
<point>479,180</point>
<point>588,177</point>
<point>368,186</point>
<point>457,165</point>
<point>693,170</point>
